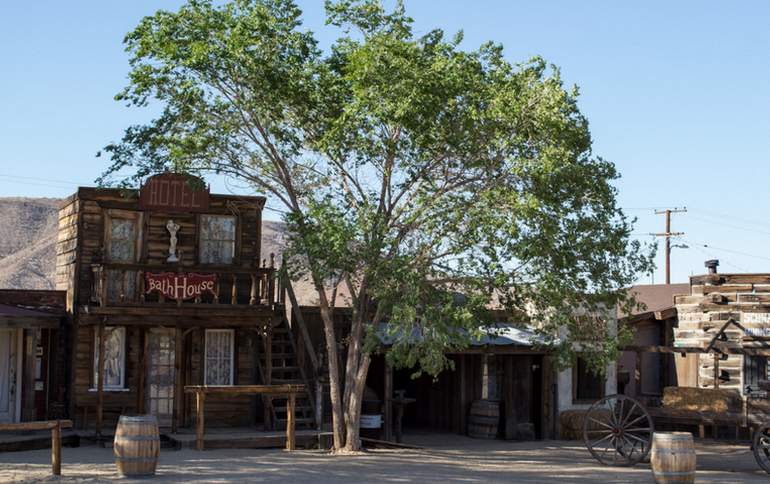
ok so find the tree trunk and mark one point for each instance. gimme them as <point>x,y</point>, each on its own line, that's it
<point>353,407</point>
<point>334,374</point>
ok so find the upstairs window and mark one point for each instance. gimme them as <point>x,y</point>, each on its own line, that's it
<point>219,356</point>
<point>217,239</point>
<point>121,245</point>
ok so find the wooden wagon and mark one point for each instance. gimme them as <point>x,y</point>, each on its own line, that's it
<point>617,430</point>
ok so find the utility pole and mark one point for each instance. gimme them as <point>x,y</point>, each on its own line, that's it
<point>668,234</point>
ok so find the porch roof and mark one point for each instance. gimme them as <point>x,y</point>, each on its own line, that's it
<point>16,317</point>
<point>497,334</point>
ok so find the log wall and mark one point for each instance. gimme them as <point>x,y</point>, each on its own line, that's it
<point>714,299</point>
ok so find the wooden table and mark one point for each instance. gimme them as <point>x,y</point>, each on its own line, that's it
<point>201,391</point>
<point>54,426</point>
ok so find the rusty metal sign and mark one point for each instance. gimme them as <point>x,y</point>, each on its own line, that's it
<point>174,192</point>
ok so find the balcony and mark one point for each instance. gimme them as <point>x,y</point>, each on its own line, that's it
<point>145,285</point>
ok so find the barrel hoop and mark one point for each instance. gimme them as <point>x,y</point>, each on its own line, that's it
<point>672,451</point>
<point>136,459</point>
<point>673,473</point>
<point>138,438</point>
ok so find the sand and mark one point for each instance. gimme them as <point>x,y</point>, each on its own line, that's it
<point>448,459</point>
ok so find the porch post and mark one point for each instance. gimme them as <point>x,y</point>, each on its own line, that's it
<point>178,383</point>
<point>268,399</point>
<point>28,376</point>
<point>140,398</point>
<point>388,424</point>
<point>100,382</point>
<point>290,444</point>
<point>200,398</point>
<point>638,375</point>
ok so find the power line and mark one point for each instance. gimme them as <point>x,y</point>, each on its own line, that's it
<point>733,226</point>
<point>737,252</point>
<point>711,255</point>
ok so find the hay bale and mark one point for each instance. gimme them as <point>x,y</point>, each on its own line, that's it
<point>706,400</point>
<point>571,423</point>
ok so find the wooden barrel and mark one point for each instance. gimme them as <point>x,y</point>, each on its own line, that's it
<point>484,419</point>
<point>673,457</point>
<point>137,445</point>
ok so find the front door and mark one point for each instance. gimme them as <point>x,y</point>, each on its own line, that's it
<point>7,375</point>
<point>160,375</point>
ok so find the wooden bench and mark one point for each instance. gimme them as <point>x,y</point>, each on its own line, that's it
<point>54,426</point>
<point>701,407</point>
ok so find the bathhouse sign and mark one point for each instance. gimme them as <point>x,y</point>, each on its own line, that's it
<point>181,285</point>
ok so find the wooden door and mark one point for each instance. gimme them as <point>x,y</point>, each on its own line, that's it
<point>8,366</point>
<point>160,375</point>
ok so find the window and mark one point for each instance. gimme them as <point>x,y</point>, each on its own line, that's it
<point>121,245</point>
<point>754,370</point>
<point>114,358</point>
<point>217,239</point>
<point>219,357</point>
<point>587,386</point>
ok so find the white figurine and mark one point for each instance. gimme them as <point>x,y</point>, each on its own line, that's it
<point>172,229</point>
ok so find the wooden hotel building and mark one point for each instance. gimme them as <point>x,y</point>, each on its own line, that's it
<point>165,288</point>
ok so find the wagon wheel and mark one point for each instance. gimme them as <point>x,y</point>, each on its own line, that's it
<point>618,431</point>
<point>761,446</point>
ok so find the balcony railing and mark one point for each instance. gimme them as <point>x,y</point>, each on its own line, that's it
<point>120,284</point>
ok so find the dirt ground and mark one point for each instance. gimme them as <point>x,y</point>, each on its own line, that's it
<point>445,458</point>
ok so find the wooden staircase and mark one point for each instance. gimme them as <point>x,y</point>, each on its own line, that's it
<point>283,369</point>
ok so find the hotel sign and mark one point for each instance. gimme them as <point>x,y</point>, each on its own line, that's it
<point>181,285</point>
<point>174,192</point>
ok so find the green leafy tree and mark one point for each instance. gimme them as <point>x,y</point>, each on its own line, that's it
<point>407,167</point>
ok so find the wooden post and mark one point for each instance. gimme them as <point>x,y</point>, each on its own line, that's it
<point>140,396</point>
<point>716,370</point>
<point>319,403</point>
<point>388,424</point>
<point>100,382</point>
<point>28,376</point>
<point>178,381</point>
<point>56,449</point>
<point>638,375</point>
<point>463,396</point>
<point>200,399</point>
<point>290,444</point>
<point>268,399</point>
<point>509,397</point>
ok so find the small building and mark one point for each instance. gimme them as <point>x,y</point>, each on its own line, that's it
<point>643,375</point>
<point>32,357</point>
<point>728,317</point>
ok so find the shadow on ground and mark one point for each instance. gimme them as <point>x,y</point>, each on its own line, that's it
<point>445,458</point>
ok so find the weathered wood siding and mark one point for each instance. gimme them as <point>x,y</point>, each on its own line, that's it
<point>713,300</point>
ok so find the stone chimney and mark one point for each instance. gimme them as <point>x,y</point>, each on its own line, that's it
<point>712,265</point>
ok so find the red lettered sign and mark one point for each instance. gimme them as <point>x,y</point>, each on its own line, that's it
<point>174,192</point>
<point>181,286</point>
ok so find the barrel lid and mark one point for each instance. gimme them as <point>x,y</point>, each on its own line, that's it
<point>673,435</point>
<point>139,419</point>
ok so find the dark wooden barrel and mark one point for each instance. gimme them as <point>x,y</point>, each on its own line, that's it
<point>673,457</point>
<point>484,419</point>
<point>137,445</point>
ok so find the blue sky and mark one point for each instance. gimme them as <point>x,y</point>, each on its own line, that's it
<point>676,94</point>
